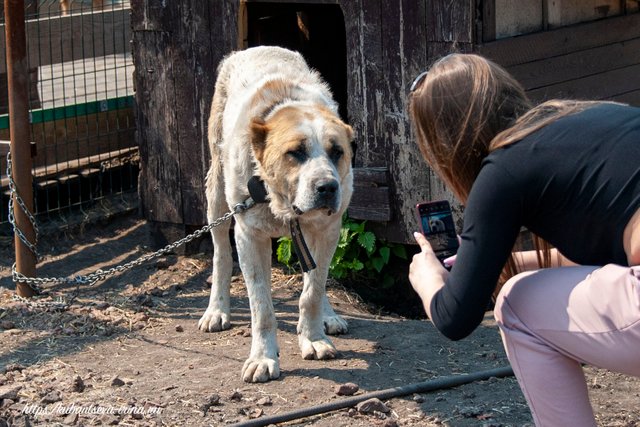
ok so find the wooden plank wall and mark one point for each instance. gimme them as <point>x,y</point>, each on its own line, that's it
<point>596,60</point>
<point>176,48</point>
<point>389,42</point>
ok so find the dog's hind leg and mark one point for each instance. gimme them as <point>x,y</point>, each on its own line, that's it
<point>218,313</point>
<point>217,316</point>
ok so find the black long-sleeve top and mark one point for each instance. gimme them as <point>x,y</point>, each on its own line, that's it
<point>575,183</point>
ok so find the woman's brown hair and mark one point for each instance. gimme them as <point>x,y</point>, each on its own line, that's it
<point>466,106</point>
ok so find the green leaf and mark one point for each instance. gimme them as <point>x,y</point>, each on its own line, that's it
<point>368,241</point>
<point>385,253</point>
<point>357,265</point>
<point>345,238</point>
<point>377,263</point>
<point>284,250</point>
<point>400,251</point>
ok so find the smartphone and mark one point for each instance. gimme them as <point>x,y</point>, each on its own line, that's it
<point>436,221</point>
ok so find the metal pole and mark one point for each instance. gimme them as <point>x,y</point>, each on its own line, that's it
<point>18,84</point>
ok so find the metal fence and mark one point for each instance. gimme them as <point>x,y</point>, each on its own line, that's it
<point>81,109</point>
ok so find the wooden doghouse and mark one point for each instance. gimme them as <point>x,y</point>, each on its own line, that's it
<point>369,51</point>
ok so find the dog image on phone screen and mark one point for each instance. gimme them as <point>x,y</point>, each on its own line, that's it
<point>436,225</point>
<point>274,118</point>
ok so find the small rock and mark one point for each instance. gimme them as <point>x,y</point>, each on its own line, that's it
<point>13,331</point>
<point>5,403</point>
<point>7,324</point>
<point>117,382</point>
<point>51,397</point>
<point>265,401</point>
<point>390,423</point>
<point>418,398</point>
<point>236,396</point>
<point>71,419</point>
<point>372,405</point>
<point>179,328</point>
<point>440,399</point>
<point>347,389</point>
<point>77,385</point>
<point>10,391</point>
<point>256,413</point>
<point>212,400</point>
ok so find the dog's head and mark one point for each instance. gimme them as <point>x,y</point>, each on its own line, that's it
<point>304,156</point>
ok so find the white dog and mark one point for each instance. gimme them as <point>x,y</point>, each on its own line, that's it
<point>274,118</point>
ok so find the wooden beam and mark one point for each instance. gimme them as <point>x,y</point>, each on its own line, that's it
<point>371,198</point>
<point>51,172</point>
<point>538,46</point>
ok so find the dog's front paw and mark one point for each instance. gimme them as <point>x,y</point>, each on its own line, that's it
<point>321,349</point>
<point>260,370</point>
<point>335,325</point>
<point>214,321</point>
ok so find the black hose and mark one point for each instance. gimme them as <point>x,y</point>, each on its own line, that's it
<point>423,387</point>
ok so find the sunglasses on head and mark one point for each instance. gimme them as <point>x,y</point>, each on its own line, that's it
<point>418,80</point>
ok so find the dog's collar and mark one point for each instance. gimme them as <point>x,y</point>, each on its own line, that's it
<point>258,192</point>
<point>257,189</point>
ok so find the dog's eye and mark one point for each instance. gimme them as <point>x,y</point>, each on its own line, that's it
<point>299,154</point>
<point>335,153</point>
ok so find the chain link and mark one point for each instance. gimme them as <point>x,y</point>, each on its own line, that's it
<point>35,283</point>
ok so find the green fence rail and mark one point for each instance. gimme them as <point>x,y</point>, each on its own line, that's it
<point>43,115</point>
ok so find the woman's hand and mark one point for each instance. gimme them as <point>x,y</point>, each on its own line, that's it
<point>426,274</point>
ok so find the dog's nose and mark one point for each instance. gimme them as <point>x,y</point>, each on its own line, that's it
<point>327,188</point>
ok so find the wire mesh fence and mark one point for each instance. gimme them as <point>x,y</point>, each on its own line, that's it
<point>81,109</point>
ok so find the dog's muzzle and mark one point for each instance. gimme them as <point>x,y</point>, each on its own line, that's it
<point>326,195</point>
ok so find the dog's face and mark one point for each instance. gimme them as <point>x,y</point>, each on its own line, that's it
<point>304,156</point>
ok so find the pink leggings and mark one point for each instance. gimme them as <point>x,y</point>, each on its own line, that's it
<point>553,320</point>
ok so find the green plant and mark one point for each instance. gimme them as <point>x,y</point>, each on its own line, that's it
<point>358,254</point>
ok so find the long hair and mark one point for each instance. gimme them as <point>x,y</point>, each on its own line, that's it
<point>467,106</point>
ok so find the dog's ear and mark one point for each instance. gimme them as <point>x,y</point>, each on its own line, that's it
<point>259,130</point>
<point>349,131</point>
<point>352,142</point>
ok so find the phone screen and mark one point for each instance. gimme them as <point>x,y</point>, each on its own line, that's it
<point>436,220</point>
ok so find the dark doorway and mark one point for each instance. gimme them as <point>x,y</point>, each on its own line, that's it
<point>317,31</point>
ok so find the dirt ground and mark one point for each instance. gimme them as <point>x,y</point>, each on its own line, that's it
<point>128,352</point>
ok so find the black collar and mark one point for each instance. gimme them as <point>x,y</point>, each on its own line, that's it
<point>258,192</point>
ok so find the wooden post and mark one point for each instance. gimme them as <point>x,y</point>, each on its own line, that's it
<point>18,84</point>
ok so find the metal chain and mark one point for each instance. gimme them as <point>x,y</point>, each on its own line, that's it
<point>98,275</point>
<point>14,195</point>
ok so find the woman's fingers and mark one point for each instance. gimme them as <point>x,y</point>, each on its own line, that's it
<point>422,241</point>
